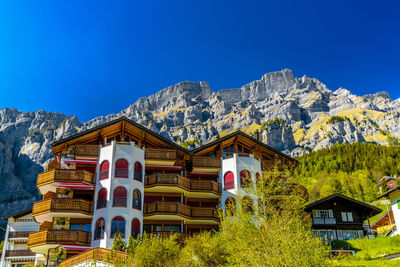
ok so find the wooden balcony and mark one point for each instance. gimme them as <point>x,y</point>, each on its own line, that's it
<point>95,254</point>
<point>182,210</point>
<point>206,164</point>
<point>183,183</point>
<point>59,237</point>
<point>155,156</point>
<point>53,165</point>
<point>73,208</point>
<point>19,253</point>
<point>66,176</point>
<point>20,234</point>
<point>86,150</point>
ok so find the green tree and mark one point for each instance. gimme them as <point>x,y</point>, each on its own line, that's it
<point>118,244</point>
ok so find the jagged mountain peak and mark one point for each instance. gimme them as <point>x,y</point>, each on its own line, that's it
<point>294,115</point>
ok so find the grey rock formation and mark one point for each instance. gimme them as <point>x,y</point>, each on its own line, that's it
<point>190,114</point>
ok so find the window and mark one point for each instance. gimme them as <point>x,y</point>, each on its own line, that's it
<point>230,203</point>
<point>229,181</point>
<point>121,168</point>
<point>352,234</point>
<point>245,178</point>
<point>243,151</point>
<point>325,234</point>
<point>248,204</point>
<point>137,200</point>
<point>322,213</point>
<point>118,227</point>
<point>102,198</point>
<point>120,197</point>
<point>104,167</point>
<point>99,230</point>
<point>138,173</point>
<point>172,228</point>
<point>135,230</point>
<point>228,151</point>
<point>347,217</point>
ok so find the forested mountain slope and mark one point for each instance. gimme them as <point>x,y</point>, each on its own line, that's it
<point>351,169</point>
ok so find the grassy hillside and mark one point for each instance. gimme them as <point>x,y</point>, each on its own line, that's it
<point>350,169</point>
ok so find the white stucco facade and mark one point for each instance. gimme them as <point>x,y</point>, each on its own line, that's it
<point>113,152</point>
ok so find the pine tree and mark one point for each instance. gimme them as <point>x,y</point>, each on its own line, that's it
<point>119,244</point>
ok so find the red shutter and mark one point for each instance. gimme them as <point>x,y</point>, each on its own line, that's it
<point>122,164</point>
<point>120,192</point>
<point>138,166</point>
<point>102,193</point>
<point>135,225</point>
<point>105,166</point>
<point>229,181</point>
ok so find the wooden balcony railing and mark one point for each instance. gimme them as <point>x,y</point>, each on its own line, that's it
<point>67,237</point>
<point>98,254</point>
<point>86,150</point>
<point>180,209</point>
<point>65,175</point>
<point>182,182</point>
<point>62,205</point>
<point>53,165</point>
<point>207,162</point>
<point>163,154</point>
<point>19,253</point>
<point>21,234</point>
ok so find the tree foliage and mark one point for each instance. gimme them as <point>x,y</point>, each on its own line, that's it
<point>351,169</point>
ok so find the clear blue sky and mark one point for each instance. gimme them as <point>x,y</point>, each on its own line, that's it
<point>92,58</point>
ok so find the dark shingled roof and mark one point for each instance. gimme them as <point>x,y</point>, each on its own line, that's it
<point>19,214</point>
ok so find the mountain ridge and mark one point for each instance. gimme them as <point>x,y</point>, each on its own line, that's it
<point>293,115</point>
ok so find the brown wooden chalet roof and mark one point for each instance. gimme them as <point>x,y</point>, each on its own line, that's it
<point>387,193</point>
<point>18,214</point>
<point>151,139</point>
<point>369,208</point>
<point>241,136</point>
<point>383,219</point>
<point>119,125</point>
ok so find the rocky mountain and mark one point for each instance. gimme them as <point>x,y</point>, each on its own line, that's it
<point>294,115</point>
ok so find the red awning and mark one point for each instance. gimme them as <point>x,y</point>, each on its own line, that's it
<point>76,186</point>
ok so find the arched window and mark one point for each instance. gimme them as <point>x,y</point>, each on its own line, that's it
<point>120,196</point>
<point>135,230</point>
<point>138,173</point>
<point>245,178</point>
<point>102,198</point>
<point>248,204</point>
<point>137,200</point>
<point>121,168</point>
<point>99,230</point>
<point>118,227</point>
<point>230,203</point>
<point>104,167</point>
<point>229,181</point>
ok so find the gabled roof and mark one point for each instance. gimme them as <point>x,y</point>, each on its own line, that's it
<point>18,214</point>
<point>387,193</point>
<point>383,218</point>
<point>114,122</point>
<point>240,133</point>
<point>374,210</point>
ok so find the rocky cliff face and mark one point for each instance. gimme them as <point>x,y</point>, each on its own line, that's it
<point>294,115</point>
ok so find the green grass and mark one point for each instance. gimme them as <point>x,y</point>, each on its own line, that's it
<point>376,217</point>
<point>370,252</point>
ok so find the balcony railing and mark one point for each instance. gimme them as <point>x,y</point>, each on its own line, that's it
<point>119,202</point>
<point>162,154</point>
<point>53,165</point>
<point>86,150</point>
<point>19,253</point>
<point>65,175</point>
<point>207,162</point>
<point>21,234</point>
<point>62,205</point>
<point>182,182</point>
<point>324,221</point>
<point>67,237</point>
<point>180,209</point>
<point>98,254</point>
<point>121,173</point>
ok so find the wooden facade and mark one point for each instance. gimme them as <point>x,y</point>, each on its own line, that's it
<point>181,187</point>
